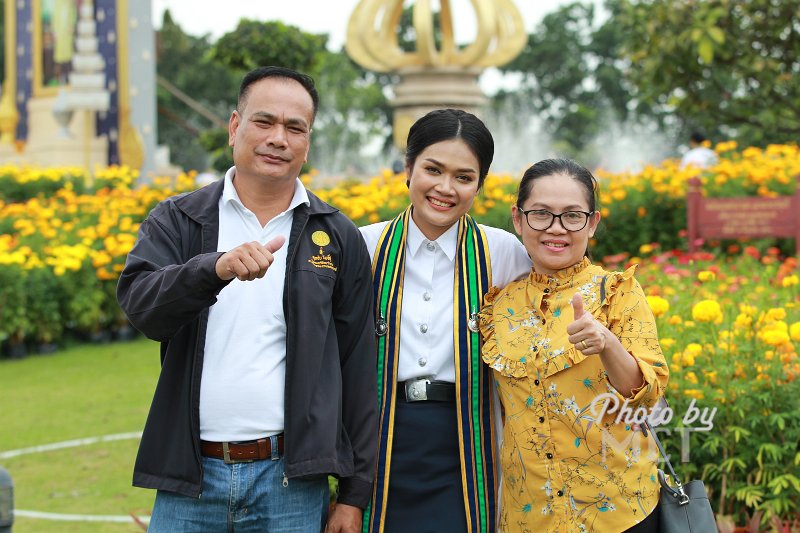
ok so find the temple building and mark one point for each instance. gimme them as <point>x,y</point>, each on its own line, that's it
<point>79,84</point>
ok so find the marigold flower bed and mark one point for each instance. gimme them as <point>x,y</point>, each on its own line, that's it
<point>729,317</point>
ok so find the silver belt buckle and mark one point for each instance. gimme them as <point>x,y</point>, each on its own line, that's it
<point>417,390</point>
<point>226,455</point>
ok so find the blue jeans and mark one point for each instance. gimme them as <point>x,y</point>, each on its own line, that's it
<point>244,497</point>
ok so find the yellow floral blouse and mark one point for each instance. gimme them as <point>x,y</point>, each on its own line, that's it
<point>562,471</point>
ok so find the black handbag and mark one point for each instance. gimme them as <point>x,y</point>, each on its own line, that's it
<point>682,508</point>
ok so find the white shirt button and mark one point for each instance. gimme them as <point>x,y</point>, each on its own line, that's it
<point>426,296</point>
<point>423,328</point>
<point>430,246</point>
<point>422,361</point>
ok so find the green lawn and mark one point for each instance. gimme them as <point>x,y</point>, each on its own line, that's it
<point>87,391</point>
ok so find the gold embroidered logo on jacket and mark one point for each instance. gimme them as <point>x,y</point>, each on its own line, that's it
<point>323,260</point>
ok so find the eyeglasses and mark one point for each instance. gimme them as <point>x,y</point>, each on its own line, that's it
<point>541,219</point>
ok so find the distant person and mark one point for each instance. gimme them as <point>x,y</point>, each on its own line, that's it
<point>432,265</point>
<point>261,296</point>
<point>699,155</point>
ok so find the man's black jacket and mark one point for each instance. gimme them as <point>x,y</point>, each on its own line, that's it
<point>166,288</point>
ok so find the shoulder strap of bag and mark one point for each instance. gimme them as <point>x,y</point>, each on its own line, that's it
<point>683,498</point>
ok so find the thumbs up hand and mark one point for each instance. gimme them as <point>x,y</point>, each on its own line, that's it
<point>577,305</point>
<point>248,261</point>
<point>587,334</point>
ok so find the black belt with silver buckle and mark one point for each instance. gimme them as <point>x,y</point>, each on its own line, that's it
<point>423,389</point>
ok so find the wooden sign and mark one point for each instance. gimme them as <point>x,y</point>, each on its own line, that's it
<point>731,218</point>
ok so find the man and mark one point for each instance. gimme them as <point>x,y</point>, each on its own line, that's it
<point>261,295</point>
<point>699,155</point>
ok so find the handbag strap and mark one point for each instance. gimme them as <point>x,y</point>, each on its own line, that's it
<point>683,498</point>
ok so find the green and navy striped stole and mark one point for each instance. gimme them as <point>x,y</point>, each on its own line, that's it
<point>473,394</point>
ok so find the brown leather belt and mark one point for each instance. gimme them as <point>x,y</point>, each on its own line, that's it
<point>240,452</point>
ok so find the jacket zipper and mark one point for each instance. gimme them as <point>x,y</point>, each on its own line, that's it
<point>287,291</point>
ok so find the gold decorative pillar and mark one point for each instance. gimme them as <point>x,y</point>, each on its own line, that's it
<point>9,116</point>
<point>433,77</point>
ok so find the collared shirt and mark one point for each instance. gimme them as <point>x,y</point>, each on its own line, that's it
<point>242,388</point>
<point>426,320</point>
<point>565,466</point>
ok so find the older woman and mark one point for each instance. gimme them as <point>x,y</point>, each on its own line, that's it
<point>562,342</point>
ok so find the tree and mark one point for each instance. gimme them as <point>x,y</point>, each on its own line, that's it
<point>184,62</point>
<point>353,112</point>
<point>572,78</point>
<point>727,67</point>
<point>353,109</point>
<point>253,44</point>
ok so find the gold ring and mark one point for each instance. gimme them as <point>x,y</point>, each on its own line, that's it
<point>584,346</point>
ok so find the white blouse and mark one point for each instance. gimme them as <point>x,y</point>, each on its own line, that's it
<point>426,321</point>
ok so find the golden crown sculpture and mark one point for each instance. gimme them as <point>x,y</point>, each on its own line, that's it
<point>372,35</point>
<point>431,76</point>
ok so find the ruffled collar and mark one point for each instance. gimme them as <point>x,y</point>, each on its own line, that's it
<point>560,276</point>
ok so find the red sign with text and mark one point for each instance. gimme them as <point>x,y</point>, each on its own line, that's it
<point>731,218</point>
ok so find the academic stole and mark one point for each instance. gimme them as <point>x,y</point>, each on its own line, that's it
<point>473,394</point>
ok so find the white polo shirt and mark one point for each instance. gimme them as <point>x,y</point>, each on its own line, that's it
<point>244,366</point>
<point>426,319</point>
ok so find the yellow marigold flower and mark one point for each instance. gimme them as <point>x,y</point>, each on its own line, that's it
<point>750,310</point>
<point>694,393</point>
<point>688,324</point>
<point>794,331</point>
<point>778,325</point>
<point>675,320</point>
<point>769,355</point>
<point>743,321</point>
<point>775,337</point>
<point>790,281</point>
<point>706,275</point>
<point>658,305</point>
<point>776,313</point>
<point>667,343</point>
<point>693,348</point>
<point>707,311</point>
<point>646,248</point>
<point>691,377</point>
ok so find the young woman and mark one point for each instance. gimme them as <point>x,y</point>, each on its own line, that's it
<point>565,342</point>
<point>431,266</point>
